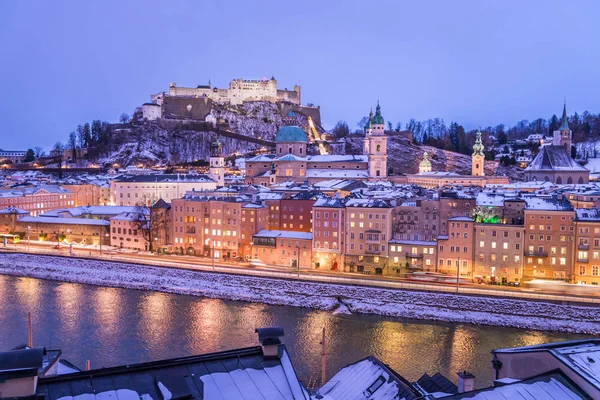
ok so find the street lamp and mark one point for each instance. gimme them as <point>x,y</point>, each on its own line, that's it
<point>213,254</point>
<point>457,271</point>
<point>298,248</point>
<point>28,241</point>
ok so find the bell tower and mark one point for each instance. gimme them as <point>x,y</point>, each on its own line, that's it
<point>562,137</point>
<point>478,158</point>
<point>376,145</point>
<point>217,163</point>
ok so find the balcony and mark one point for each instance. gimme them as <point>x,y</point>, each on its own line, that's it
<point>536,254</point>
<point>582,246</point>
<point>409,255</point>
<point>375,252</point>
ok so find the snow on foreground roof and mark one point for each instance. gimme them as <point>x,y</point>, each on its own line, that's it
<point>230,375</point>
<point>367,378</point>
<point>284,234</point>
<point>64,221</point>
<point>580,356</point>
<point>552,386</point>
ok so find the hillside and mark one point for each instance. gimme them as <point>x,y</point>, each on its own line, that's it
<point>167,142</point>
<point>404,158</point>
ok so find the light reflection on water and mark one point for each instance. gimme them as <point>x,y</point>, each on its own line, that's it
<point>112,326</point>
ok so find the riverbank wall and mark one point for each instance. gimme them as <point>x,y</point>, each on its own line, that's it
<point>285,292</point>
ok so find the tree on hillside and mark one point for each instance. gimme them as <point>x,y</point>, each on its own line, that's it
<point>340,130</point>
<point>73,146</point>
<point>124,118</point>
<point>29,156</point>
<point>361,124</point>
<point>81,137</point>
<point>87,134</point>
<point>398,126</point>
<point>39,152</point>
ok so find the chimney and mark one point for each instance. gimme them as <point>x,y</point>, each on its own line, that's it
<point>466,381</point>
<point>269,341</point>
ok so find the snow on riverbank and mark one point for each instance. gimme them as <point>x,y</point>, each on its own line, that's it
<point>397,303</point>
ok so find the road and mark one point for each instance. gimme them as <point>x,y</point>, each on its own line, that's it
<point>336,277</point>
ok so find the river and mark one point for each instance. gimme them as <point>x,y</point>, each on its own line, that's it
<point>111,326</point>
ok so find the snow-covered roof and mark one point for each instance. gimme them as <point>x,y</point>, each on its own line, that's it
<point>232,375</point>
<point>463,219</point>
<point>338,173</point>
<point>130,216</point>
<point>89,210</point>
<point>284,234</point>
<point>587,214</point>
<point>64,221</point>
<point>13,210</point>
<point>329,202</point>
<point>261,158</point>
<point>370,203</point>
<point>553,158</point>
<point>413,242</point>
<point>489,199</point>
<point>580,356</point>
<point>174,178</point>
<point>551,386</point>
<point>338,158</point>
<point>367,378</point>
<point>546,204</point>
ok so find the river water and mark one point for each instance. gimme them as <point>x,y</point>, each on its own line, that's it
<point>111,326</point>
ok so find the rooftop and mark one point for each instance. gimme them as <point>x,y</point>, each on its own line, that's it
<point>284,234</point>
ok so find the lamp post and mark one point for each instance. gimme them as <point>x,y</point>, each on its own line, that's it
<point>298,248</point>
<point>213,254</point>
<point>457,271</point>
<point>28,241</point>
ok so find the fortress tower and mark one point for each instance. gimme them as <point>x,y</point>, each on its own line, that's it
<point>375,146</point>
<point>217,163</point>
<point>478,158</point>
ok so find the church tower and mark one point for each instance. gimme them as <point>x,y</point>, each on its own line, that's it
<point>376,145</point>
<point>562,137</point>
<point>217,163</point>
<point>478,158</point>
<point>425,165</point>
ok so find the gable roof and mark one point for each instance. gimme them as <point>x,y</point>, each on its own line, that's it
<point>554,158</point>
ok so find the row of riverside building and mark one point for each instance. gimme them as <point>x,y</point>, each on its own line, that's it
<point>501,234</point>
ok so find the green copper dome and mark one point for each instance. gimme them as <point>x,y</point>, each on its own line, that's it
<point>290,134</point>
<point>378,119</point>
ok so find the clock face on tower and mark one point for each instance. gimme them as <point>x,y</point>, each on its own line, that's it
<point>378,163</point>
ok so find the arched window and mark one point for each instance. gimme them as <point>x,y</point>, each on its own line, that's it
<point>580,181</point>
<point>326,245</point>
<point>569,180</point>
<point>546,179</point>
<point>559,181</point>
<point>334,245</point>
<point>378,148</point>
<point>317,244</point>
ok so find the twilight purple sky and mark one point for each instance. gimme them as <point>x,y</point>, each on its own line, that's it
<point>476,62</point>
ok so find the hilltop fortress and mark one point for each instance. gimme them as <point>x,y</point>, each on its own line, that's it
<point>240,90</point>
<point>195,103</point>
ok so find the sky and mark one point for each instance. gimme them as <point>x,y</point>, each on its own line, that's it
<point>478,62</point>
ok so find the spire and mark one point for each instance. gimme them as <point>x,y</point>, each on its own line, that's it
<point>478,146</point>
<point>564,125</point>
<point>209,82</point>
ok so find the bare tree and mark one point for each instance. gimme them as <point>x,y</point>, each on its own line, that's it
<point>38,152</point>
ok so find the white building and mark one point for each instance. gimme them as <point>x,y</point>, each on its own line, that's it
<point>147,189</point>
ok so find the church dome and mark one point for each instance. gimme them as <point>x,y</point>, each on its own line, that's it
<point>425,165</point>
<point>378,119</point>
<point>290,134</point>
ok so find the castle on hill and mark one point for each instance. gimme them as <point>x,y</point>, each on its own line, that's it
<point>239,91</point>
